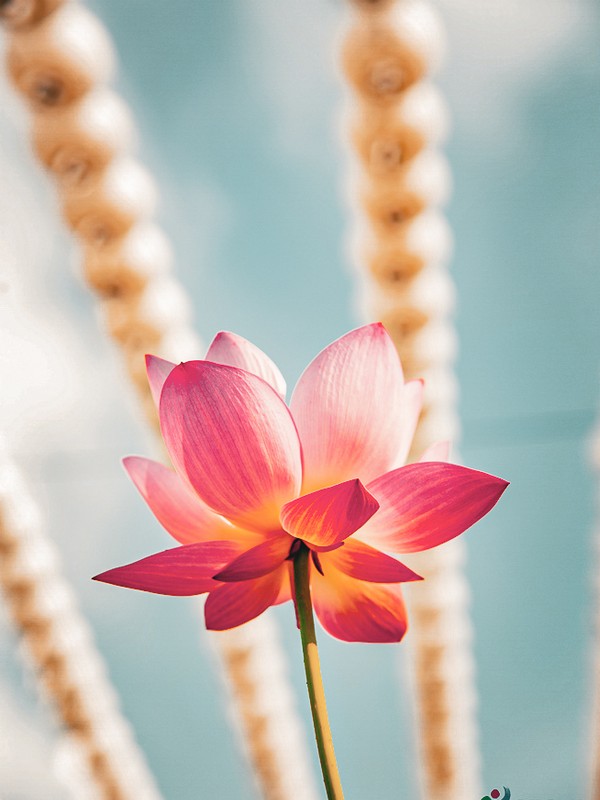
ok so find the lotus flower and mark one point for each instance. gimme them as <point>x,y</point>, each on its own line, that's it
<point>253,479</point>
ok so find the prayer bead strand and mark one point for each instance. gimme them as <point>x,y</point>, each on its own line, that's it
<point>401,247</point>
<point>60,644</point>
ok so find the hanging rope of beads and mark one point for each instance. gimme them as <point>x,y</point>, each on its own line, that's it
<point>396,121</point>
<point>99,743</point>
<point>60,59</point>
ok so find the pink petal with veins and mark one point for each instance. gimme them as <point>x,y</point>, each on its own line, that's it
<point>232,604</point>
<point>229,348</point>
<point>328,516</point>
<point>259,560</point>
<point>357,611</point>
<point>285,591</point>
<point>232,437</point>
<point>348,409</point>
<point>181,571</point>
<point>426,504</point>
<point>358,560</point>
<point>175,506</point>
<point>158,370</point>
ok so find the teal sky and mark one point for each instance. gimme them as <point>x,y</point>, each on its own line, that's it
<point>238,106</point>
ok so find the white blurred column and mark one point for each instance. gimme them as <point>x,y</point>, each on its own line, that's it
<point>396,120</point>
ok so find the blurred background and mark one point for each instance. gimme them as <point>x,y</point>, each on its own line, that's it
<point>238,104</point>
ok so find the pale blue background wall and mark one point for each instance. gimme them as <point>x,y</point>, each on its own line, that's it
<point>237,104</point>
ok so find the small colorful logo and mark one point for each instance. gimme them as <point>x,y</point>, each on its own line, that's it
<point>495,794</point>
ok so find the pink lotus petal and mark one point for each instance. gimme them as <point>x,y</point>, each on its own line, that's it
<point>158,370</point>
<point>438,451</point>
<point>259,560</point>
<point>174,505</point>
<point>229,348</point>
<point>181,571</point>
<point>328,516</point>
<point>232,604</point>
<point>426,504</point>
<point>285,591</point>
<point>358,560</point>
<point>348,409</point>
<point>356,611</point>
<point>412,403</point>
<point>233,438</point>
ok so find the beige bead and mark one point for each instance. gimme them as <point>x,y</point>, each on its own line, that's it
<point>25,13</point>
<point>387,138</point>
<point>423,108</point>
<point>141,320</point>
<point>429,237</point>
<point>379,65</point>
<point>389,205</point>
<point>126,265</point>
<point>77,141</point>
<point>394,255</point>
<point>57,61</point>
<point>374,6</point>
<point>389,261</point>
<point>386,52</point>
<point>122,324</point>
<point>407,321</point>
<point>180,344</point>
<point>384,141</point>
<point>431,291</point>
<point>421,348</point>
<point>428,177</point>
<point>105,208</point>
<point>389,201</point>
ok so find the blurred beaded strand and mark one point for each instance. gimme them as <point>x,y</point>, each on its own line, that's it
<point>60,59</point>
<point>60,645</point>
<point>395,121</point>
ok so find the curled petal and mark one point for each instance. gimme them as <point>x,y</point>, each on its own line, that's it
<point>181,571</point>
<point>229,348</point>
<point>175,506</point>
<point>358,560</point>
<point>357,611</point>
<point>328,516</point>
<point>348,409</point>
<point>232,437</point>
<point>438,451</point>
<point>158,370</point>
<point>426,504</point>
<point>259,560</point>
<point>232,604</point>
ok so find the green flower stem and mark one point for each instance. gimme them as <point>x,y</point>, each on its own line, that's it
<point>314,681</point>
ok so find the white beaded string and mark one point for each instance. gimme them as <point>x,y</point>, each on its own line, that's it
<point>60,644</point>
<point>401,247</point>
<point>257,652</point>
